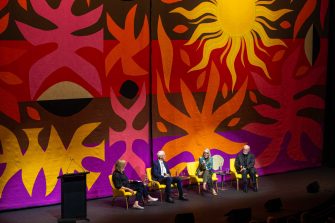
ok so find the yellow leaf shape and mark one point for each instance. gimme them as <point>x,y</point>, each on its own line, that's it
<point>309,45</point>
<point>10,78</point>
<point>253,97</point>
<point>161,127</point>
<point>166,49</point>
<point>4,23</point>
<point>201,80</point>
<point>55,158</point>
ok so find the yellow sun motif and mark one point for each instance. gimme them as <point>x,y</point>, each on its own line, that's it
<point>236,26</point>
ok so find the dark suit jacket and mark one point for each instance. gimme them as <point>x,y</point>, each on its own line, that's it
<point>240,160</point>
<point>156,170</point>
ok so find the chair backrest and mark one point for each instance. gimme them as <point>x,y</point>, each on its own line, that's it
<point>232,165</point>
<point>116,192</point>
<point>192,167</point>
<point>111,181</point>
<point>148,172</point>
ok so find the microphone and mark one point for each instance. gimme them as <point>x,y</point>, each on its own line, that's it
<point>67,169</point>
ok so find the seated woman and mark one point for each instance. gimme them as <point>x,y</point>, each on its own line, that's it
<point>205,170</point>
<point>121,181</point>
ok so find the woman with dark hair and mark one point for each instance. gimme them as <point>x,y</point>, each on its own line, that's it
<point>121,181</point>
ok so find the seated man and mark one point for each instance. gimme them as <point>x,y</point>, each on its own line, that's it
<point>244,164</point>
<point>161,173</point>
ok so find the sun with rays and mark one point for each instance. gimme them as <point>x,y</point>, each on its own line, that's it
<point>236,27</point>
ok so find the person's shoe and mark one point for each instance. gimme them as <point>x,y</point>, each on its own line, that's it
<point>169,200</point>
<point>255,189</point>
<point>152,199</point>
<point>138,207</point>
<point>214,192</point>
<point>182,198</point>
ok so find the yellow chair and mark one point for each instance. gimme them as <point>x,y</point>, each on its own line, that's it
<point>237,175</point>
<point>119,192</point>
<point>153,184</point>
<point>191,169</point>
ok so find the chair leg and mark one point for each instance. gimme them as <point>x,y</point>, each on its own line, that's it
<point>161,194</point>
<point>257,182</point>
<point>199,188</point>
<point>113,200</point>
<point>127,202</point>
<point>237,185</point>
<point>216,184</point>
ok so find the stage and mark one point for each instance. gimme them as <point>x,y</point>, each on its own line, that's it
<point>289,187</point>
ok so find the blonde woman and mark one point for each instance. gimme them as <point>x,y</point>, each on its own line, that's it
<point>205,170</point>
<point>121,181</point>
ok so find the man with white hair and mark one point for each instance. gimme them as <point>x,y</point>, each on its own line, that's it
<point>161,173</point>
<point>244,164</point>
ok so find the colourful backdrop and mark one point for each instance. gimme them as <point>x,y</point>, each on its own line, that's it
<point>84,83</point>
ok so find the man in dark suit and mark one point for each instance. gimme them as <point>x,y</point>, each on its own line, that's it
<point>161,173</point>
<point>244,164</point>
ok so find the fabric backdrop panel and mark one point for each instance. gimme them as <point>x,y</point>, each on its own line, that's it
<point>84,83</point>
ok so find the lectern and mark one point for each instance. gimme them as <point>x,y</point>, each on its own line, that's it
<point>73,197</point>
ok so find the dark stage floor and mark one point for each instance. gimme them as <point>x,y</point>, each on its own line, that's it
<point>289,187</point>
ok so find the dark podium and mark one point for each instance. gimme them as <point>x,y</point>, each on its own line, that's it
<point>73,197</point>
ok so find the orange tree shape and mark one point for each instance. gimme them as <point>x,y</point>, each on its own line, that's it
<point>128,46</point>
<point>199,124</point>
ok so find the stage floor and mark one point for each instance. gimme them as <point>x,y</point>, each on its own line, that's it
<point>289,187</point>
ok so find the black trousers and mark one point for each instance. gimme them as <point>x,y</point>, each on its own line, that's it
<point>140,189</point>
<point>252,174</point>
<point>172,180</point>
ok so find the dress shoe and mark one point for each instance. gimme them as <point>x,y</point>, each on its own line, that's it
<point>169,200</point>
<point>182,198</point>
